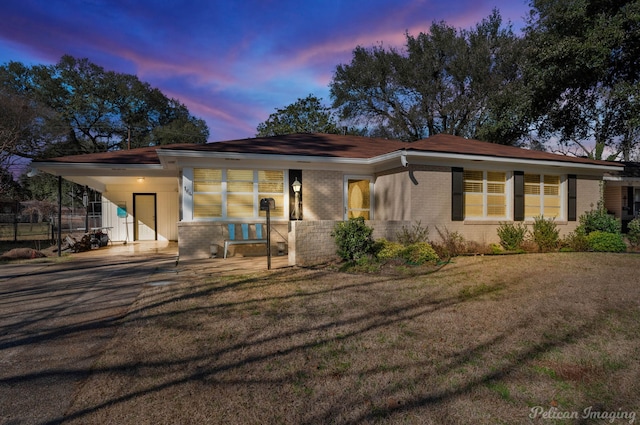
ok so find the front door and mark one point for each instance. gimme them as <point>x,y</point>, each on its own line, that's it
<point>358,197</point>
<point>144,212</point>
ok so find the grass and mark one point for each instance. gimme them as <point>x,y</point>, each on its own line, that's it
<point>481,340</point>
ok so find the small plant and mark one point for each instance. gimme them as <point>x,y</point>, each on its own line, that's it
<point>512,235</point>
<point>633,232</point>
<point>575,242</point>
<point>599,220</point>
<point>353,238</point>
<point>419,253</point>
<point>386,250</point>
<point>496,249</point>
<point>416,234</point>
<point>545,234</point>
<point>606,242</point>
<point>452,245</point>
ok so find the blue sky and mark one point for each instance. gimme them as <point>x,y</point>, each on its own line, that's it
<point>232,63</point>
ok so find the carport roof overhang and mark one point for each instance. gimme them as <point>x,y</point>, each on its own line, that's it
<point>99,176</point>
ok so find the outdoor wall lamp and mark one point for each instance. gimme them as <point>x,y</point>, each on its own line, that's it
<point>140,179</point>
<point>297,187</point>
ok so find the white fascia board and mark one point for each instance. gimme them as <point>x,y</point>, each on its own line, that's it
<point>622,179</point>
<point>191,158</point>
<point>442,156</point>
<point>232,159</point>
<point>93,169</point>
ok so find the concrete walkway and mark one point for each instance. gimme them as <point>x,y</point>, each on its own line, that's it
<point>57,316</point>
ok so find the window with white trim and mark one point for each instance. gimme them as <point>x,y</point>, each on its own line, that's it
<point>542,196</point>
<point>236,193</point>
<point>485,194</point>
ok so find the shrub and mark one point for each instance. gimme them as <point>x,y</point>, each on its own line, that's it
<point>633,232</point>
<point>512,235</point>
<point>606,242</point>
<point>353,238</point>
<point>386,250</point>
<point>575,241</point>
<point>416,234</point>
<point>452,245</point>
<point>599,220</point>
<point>419,253</point>
<point>545,234</point>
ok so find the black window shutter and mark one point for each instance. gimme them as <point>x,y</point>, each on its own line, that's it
<point>572,198</point>
<point>518,195</point>
<point>457,194</point>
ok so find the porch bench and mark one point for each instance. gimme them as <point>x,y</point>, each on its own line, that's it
<point>245,236</point>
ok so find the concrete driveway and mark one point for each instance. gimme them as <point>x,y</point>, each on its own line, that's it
<point>56,318</point>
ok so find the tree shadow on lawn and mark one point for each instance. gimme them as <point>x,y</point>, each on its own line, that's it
<point>321,344</point>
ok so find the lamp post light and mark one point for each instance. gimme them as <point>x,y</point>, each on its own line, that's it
<point>297,187</point>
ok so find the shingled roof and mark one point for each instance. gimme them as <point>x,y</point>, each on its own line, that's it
<point>328,146</point>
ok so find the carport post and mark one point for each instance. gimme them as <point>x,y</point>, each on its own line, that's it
<point>59,216</point>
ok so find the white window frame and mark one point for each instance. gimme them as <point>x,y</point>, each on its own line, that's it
<point>508,195</point>
<point>188,196</point>
<point>562,193</point>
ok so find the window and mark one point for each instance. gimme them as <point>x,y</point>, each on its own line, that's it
<point>485,194</point>
<point>207,193</point>
<point>542,196</point>
<point>236,194</point>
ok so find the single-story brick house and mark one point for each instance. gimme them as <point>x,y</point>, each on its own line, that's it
<point>190,192</point>
<point>622,193</point>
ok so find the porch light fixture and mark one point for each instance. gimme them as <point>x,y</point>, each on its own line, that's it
<point>297,187</point>
<point>140,179</point>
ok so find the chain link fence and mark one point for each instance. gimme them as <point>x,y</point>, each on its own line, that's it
<point>32,220</point>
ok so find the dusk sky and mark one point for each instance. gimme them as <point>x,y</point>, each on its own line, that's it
<point>232,63</point>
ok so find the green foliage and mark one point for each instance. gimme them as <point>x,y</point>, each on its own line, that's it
<point>606,242</point>
<point>633,232</point>
<point>76,107</point>
<point>599,220</point>
<point>512,235</point>
<point>496,249</point>
<point>583,74</point>
<point>419,253</point>
<point>575,242</point>
<point>353,238</point>
<point>304,116</point>
<point>444,83</point>
<point>417,233</point>
<point>545,234</point>
<point>386,250</point>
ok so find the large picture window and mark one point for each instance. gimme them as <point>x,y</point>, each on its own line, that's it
<point>542,196</point>
<point>236,194</point>
<point>485,194</point>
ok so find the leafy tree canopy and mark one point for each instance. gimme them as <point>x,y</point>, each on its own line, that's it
<point>461,82</point>
<point>583,75</point>
<point>77,107</point>
<point>306,115</point>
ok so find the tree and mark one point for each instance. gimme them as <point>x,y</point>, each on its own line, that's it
<point>93,110</point>
<point>583,75</point>
<point>452,81</point>
<point>26,124</point>
<point>306,115</point>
